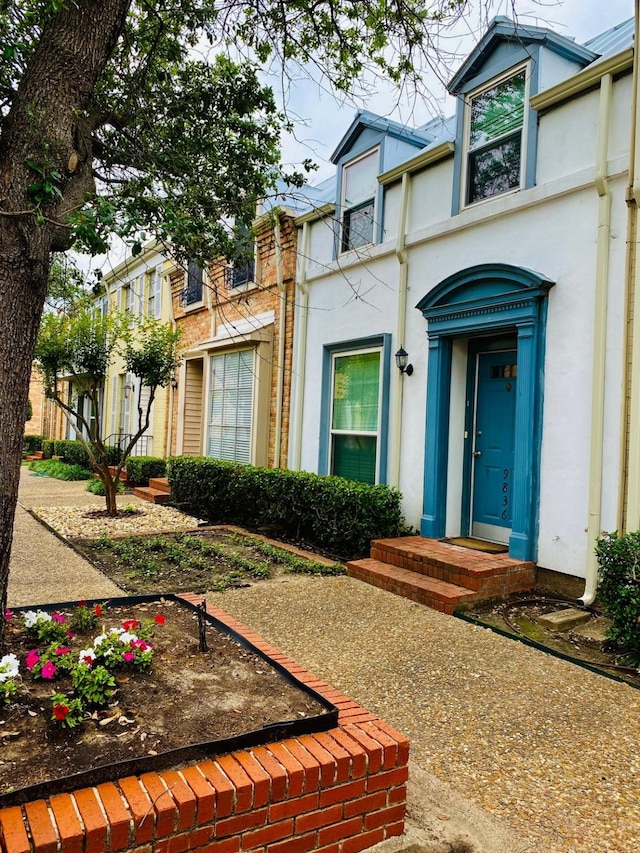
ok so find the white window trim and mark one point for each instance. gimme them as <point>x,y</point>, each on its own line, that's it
<point>368,433</point>
<point>490,84</point>
<point>343,205</point>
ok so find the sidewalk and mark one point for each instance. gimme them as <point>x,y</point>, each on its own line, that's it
<point>513,748</point>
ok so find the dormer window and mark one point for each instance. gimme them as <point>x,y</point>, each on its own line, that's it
<point>359,187</point>
<point>495,144</point>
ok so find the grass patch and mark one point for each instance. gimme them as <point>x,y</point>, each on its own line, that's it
<point>59,470</point>
<point>198,562</point>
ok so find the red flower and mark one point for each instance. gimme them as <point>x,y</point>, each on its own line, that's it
<point>159,619</point>
<point>82,603</point>
<point>130,624</point>
<point>60,711</point>
<point>98,610</point>
<point>61,650</point>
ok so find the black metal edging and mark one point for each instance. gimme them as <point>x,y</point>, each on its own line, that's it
<point>465,617</point>
<point>193,752</point>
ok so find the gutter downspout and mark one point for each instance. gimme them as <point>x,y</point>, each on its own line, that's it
<point>174,326</point>
<point>282,320</point>
<point>629,511</point>
<point>401,324</point>
<point>300,329</point>
<point>599,339</point>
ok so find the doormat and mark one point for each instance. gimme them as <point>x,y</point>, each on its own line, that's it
<point>477,545</point>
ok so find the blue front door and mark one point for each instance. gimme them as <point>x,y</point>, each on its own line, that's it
<point>493,445</point>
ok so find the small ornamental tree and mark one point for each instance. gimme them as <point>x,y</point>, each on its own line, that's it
<point>79,347</point>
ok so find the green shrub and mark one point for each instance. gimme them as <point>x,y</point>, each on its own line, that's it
<point>31,443</point>
<point>337,515</point>
<point>141,468</point>
<point>96,488</point>
<point>619,589</point>
<point>73,452</point>
<point>59,470</point>
<point>47,448</point>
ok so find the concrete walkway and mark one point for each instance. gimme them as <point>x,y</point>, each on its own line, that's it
<point>43,569</point>
<point>512,749</point>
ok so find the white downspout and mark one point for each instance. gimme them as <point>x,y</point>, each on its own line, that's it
<point>300,329</point>
<point>282,319</point>
<point>632,492</point>
<point>395,425</point>
<point>599,339</point>
<point>174,326</point>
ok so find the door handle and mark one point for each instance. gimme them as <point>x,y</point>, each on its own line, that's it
<point>477,453</point>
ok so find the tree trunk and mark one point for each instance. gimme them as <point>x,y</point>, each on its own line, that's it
<point>47,124</point>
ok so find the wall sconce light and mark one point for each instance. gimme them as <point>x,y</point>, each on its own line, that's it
<point>128,388</point>
<point>402,358</point>
<point>174,383</point>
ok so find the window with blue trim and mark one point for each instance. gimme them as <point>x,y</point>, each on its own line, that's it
<point>495,143</point>
<point>355,414</point>
<point>359,189</point>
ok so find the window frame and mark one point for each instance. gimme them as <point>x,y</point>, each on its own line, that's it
<point>249,354</point>
<point>468,152</point>
<point>333,431</point>
<point>381,343</point>
<point>346,210</point>
<point>251,266</point>
<point>190,304</point>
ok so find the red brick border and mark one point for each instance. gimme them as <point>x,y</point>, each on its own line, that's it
<point>339,791</point>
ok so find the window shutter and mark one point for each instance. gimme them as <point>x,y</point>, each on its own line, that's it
<point>157,292</point>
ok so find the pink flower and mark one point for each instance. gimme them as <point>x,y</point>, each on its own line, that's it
<point>159,619</point>
<point>58,617</point>
<point>69,635</point>
<point>8,614</point>
<point>128,656</point>
<point>61,650</point>
<point>32,659</point>
<point>140,644</point>
<point>48,670</point>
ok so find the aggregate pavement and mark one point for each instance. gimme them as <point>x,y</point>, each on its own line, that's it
<point>512,750</point>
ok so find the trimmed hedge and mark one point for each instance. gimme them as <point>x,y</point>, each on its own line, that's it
<point>48,448</point>
<point>619,589</point>
<point>337,515</point>
<point>73,453</point>
<point>31,443</point>
<point>141,468</point>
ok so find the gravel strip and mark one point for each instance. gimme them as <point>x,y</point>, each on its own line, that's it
<point>543,745</point>
<point>72,521</point>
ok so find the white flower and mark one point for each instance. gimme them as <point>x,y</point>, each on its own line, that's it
<point>99,640</point>
<point>9,667</point>
<point>32,618</point>
<point>86,653</point>
<point>126,638</point>
<point>116,630</point>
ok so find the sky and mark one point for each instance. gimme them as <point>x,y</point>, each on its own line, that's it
<point>321,119</point>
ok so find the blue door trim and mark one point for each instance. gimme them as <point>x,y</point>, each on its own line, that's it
<point>487,299</point>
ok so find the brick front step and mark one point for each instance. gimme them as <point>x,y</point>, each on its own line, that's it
<point>155,496</point>
<point>434,593</point>
<point>123,474</point>
<point>160,483</point>
<point>404,565</point>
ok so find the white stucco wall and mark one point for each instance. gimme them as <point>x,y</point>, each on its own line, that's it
<point>552,229</point>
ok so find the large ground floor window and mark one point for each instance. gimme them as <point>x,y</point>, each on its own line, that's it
<point>231,406</point>
<point>355,415</point>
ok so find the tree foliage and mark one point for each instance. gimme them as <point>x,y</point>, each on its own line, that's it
<point>79,346</point>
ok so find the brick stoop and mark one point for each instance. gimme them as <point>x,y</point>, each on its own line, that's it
<point>158,491</point>
<point>443,576</point>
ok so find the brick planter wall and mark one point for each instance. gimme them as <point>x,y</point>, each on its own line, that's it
<point>339,791</point>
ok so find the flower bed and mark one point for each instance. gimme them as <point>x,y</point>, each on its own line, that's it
<point>338,791</point>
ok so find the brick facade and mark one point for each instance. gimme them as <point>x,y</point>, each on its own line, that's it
<point>225,306</point>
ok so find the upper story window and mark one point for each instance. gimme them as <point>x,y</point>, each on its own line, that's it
<point>192,293</point>
<point>359,187</point>
<point>243,270</point>
<point>495,138</point>
<point>154,294</point>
